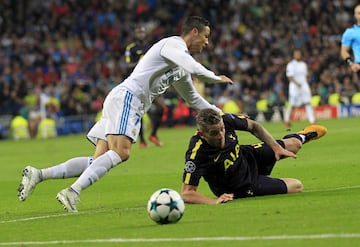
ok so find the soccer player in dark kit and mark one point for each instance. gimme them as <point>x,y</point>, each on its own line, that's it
<point>233,170</point>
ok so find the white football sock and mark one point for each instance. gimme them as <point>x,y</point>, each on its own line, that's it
<point>287,113</point>
<point>100,166</point>
<point>302,138</point>
<point>310,113</point>
<point>70,168</point>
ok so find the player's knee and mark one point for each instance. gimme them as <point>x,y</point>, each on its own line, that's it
<point>122,150</point>
<point>121,145</point>
<point>297,144</point>
<point>299,187</point>
<point>124,154</point>
<point>293,144</point>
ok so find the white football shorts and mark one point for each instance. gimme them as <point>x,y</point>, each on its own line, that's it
<point>121,115</point>
<point>299,96</point>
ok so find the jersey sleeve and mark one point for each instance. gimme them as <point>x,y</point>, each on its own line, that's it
<point>235,122</point>
<point>346,38</point>
<point>175,51</point>
<point>289,69</point>
<point>128,58</point>
<point>187,91</point>
<point>194,163</point>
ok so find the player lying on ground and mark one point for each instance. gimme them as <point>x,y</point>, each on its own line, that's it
<point>233,170</point>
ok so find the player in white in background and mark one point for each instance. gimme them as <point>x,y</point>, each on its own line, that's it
<point>167,63</point>
<point>299,89</point>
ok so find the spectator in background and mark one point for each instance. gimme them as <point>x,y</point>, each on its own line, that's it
<point>33,110</point>
<point>249,103</point>
<point>347,90</point>
<point>52,103</point>
<point>65,33</point>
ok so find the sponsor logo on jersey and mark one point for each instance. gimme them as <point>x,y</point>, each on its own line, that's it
<point>217,158</point>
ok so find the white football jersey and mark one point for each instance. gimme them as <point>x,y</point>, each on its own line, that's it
<point>298,70</point>
<point>168,62</point>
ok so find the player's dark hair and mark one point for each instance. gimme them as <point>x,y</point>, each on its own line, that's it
<point>197,22</point>
<point>207,117</point>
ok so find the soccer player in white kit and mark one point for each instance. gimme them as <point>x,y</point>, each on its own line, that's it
<point>167,63</point>
<point>299,89</point>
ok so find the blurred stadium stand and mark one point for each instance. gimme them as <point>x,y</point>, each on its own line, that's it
<point>71,53</point>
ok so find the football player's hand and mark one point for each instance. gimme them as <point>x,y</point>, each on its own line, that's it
<point>225,198</point>
<point>282,152</point>
<point>225,79</point>
<point>355,67</point>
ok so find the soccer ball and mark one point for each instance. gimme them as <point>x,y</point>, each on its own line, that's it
<point>165,206</point>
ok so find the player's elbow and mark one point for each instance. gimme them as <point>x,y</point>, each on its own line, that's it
<point>293,185</point>
<point>187,196</point>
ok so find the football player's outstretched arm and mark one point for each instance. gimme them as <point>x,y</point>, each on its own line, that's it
<point>176,52</point>
<point>262,134</point>
<point>190,194</point>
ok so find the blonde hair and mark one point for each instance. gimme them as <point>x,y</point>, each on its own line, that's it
<point>207,117</point>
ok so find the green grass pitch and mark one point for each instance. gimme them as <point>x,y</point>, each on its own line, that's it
<point>113,211</point>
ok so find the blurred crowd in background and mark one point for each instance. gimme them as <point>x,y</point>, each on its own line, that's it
<point>72,51</point>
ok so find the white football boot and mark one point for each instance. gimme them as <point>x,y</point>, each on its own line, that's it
<point>68,198</point>
<point>30,177</point>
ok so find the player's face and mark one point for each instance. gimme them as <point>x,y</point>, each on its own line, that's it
<point>215,135</point>
<point>357,14</point>
<point>199,40</point>
<point>297,55</point>
<point>140,33</point>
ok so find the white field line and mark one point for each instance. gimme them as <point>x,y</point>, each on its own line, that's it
<point>159,240</point>
<point>70,214</point>
<point>195,239</point>
<point>335,189</point>
<point>138,208</point>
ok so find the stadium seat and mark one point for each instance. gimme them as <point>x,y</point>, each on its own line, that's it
<point>315,100</point>
<point>334,99</point>
<point>355,99</point>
